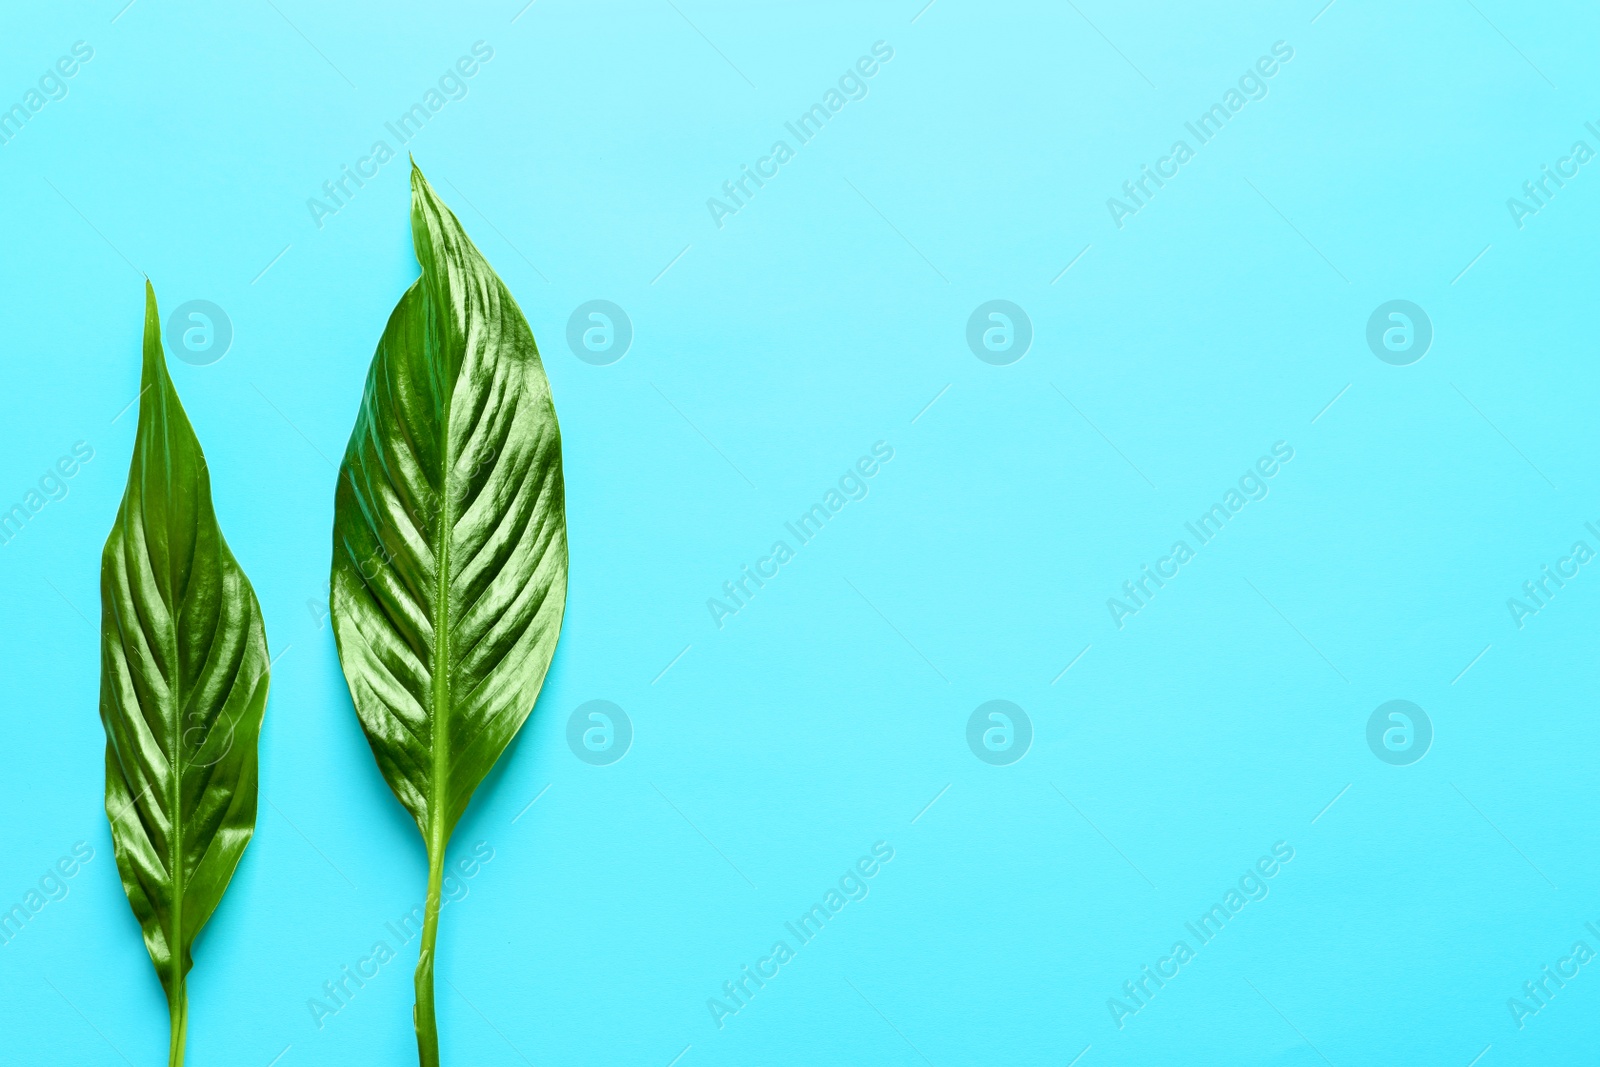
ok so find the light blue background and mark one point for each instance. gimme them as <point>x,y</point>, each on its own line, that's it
<point>829,712</point>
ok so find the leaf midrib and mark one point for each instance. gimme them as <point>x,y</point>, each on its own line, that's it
<point>175,940</point>
<point>438,780</point>
<point>175,948</point>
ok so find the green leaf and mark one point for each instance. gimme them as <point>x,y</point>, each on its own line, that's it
<point>449,543</point>
<point>183,685</point>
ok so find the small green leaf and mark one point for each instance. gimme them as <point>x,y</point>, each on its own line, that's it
<point>449,543</point>
<point>183,686</point>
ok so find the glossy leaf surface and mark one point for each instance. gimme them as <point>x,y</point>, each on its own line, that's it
<point>449,542</point>
<point>183,686</point>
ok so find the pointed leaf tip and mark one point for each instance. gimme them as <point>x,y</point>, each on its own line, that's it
<point>155,359</point>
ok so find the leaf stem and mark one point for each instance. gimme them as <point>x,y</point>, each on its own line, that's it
<point>178,1008</point>
<point>422,1016</point>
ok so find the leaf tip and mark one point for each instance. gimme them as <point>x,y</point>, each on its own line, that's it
<point>155,360</point>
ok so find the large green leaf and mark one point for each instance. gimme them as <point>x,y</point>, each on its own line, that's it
<point>449,543</point>
<point>183,685</point>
